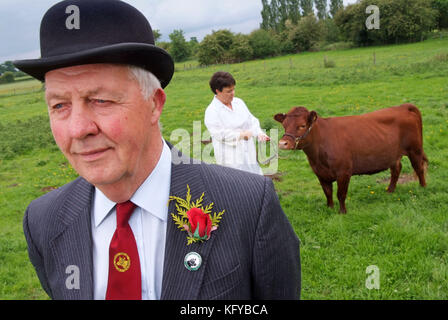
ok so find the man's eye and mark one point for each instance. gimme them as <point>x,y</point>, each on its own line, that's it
<point>100,101</point>
<point>58,106</point>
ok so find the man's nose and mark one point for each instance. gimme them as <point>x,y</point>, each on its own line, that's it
<point>82,122</point>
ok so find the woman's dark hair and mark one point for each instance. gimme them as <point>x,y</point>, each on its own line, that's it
<point>221,80</point>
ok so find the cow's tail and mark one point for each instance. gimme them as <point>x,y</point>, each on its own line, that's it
<point>425,160</point>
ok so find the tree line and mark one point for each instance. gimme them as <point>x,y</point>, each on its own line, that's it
<point>293,26</point>
<point>8,73</point>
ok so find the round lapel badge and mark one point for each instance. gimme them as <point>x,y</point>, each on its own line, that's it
<point>192,261</point>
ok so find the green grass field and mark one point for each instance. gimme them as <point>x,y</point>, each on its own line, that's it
<point>404,234</point>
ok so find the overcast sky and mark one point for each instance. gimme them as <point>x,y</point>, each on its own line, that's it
<point>20,20</point>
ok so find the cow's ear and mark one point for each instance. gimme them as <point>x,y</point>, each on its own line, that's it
<point>280,117</point>
<point>312,117</point>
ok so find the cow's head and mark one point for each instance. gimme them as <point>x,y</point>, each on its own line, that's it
<point>298,123</point>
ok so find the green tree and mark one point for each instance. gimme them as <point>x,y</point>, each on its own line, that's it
<point>179,48</point>
<point>225,38</point>
<point>210,52</point>
<point>335,6</point>
<point>401,21</point>
<point>7,77</point>
<point>263,44</point>
<point>241,49</point>
<point>442,7</point>
<point>293,10</point>
<point>194,46</point>
<point>265,15</point>
<point>307,7</point>
<point>7,66</point>
<point>276,12</point>
<point>306,34</point>
<point>275,15</point>
<point>285,46</point>
<point>331,31</point>
<point>216,48</point>
<point>157,34</point>
<point>282,14</point>
<point>321,7</point>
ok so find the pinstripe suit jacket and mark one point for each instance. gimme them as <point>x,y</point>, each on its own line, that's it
<point>254,254</point>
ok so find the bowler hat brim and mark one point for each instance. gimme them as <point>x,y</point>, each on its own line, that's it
<point>146,56</point>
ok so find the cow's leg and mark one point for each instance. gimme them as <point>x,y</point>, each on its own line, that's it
<point>328,190</point>
<point>343,182</point>
<point>418,163</point>
<point>394,174</point>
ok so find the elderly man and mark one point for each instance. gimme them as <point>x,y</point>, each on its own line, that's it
<point>110,234</point>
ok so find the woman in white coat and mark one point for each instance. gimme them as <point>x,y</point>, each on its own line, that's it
<point>232,126</point>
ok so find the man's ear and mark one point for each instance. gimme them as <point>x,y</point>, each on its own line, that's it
<point>312,117</point>
<point>158,99</point>
<point>280,117</point>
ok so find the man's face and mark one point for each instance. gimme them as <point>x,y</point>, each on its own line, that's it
<point>226,95</point>
<point>102,123</point>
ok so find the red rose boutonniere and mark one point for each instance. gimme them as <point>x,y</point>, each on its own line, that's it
<point>194,218</point>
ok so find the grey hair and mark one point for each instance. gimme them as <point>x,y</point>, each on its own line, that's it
<point>147,81</point>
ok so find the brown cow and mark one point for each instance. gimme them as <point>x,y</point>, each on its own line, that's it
<point>340,147</point>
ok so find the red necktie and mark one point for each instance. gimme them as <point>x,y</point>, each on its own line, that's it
<point>124,264</point>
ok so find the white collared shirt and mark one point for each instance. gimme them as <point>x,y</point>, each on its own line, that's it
<point>148,223</point>
<point>225,126</point>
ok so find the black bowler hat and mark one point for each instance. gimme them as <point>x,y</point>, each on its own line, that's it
<point>109,31</point>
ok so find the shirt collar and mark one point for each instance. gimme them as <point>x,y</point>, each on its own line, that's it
<point>222,105</point>
<point>152,196</point>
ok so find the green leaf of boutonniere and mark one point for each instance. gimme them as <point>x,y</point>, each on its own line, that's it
<point>195,218</point>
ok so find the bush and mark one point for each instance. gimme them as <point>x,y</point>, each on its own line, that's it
<point>223,46</point>
<point>329,63</point>
<point>306,34</point>
<point>400,21</point>
<point>285,46</point>
<point>210,51</point>
<point>330,31</point>
<point>7,77</point>
<point>241,49</point>
<point>263,44</point>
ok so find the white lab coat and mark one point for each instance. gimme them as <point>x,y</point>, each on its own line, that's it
<point>225,126</point>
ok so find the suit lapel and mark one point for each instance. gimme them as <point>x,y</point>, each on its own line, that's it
<point>72,245</point>
<point>178,282</point>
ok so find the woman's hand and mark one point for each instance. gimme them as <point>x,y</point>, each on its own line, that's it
<point>263,137</point>
<point>246,135</point>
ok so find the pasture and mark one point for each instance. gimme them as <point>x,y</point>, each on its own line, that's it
<point>404,234</point>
